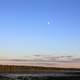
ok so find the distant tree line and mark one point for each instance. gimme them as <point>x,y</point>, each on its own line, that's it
<point>27,69</point>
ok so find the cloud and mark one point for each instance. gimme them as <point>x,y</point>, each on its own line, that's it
<point>45,60</point>
<point>59,59</point>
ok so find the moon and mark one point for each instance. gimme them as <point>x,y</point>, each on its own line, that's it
<point>48,22</point>
<point>51,20</point>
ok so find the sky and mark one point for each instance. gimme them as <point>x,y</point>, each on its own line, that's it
<point>39,27</point>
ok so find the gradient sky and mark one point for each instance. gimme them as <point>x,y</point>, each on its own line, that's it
<point>29,27</point>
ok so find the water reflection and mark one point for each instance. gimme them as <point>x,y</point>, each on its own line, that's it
<point>65,76</point>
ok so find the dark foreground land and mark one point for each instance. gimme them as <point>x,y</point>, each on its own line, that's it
<point>42,78</point>
<point>12,72</point>
<point>34,69</point>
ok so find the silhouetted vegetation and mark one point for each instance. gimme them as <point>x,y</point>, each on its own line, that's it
<point>37,69</point>
<point>31,69</point>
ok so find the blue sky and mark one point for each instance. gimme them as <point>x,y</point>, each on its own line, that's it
<point>24,28</point>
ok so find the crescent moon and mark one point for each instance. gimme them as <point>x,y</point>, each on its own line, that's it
<point>48,22</point>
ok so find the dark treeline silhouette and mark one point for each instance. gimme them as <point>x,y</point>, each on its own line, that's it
<point>26,69</point>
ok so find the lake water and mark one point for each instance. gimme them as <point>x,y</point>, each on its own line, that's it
<point>41,76</point>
